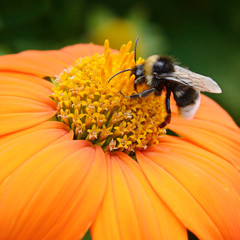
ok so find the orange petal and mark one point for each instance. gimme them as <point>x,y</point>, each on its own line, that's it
<point>83,50</point>
<point>213,112</point>
<point>47,63</point>
<point>19,77</point>
<point>61,56</point>
<point>221,140</point>
<point>43,126</point>
<point>131,209</point>
<point>17,113</point>
<point>196,186</point>
<point>17,148</point>
<point>22,85</point>
<point>55,194</point>
<point>200,156</point>
<point>32,62</point>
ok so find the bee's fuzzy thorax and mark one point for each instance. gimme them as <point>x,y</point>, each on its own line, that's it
<point>149,63</point>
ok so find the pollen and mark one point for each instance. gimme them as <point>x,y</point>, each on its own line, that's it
<point>95,109</point>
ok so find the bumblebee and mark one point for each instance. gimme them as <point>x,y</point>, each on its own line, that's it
<point>162,73</point>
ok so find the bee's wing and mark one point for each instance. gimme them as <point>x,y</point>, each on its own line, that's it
<point>194,80</point>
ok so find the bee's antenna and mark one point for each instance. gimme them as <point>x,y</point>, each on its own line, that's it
<point>135,59</point>
<point>129,69</point>
<point>135,49</point>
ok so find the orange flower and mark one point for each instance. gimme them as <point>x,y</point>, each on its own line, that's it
<point>76,155</point>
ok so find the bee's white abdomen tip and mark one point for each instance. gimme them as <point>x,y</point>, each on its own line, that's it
<point>189,111</point>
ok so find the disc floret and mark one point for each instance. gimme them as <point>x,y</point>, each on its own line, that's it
<point>95,110</point>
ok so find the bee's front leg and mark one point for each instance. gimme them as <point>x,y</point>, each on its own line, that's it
<point>141,94</point>
<point>138,81</point>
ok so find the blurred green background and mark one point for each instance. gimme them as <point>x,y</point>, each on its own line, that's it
<point>202,35</point>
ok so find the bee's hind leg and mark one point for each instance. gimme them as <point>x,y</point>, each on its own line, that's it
<point>168,109</point>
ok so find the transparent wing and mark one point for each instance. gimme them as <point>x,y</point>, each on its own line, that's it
<point>194,80</point>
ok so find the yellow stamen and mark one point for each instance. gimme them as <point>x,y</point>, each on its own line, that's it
<point>96,111</point>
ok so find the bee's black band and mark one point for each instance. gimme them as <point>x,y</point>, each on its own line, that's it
<point>185,96</point>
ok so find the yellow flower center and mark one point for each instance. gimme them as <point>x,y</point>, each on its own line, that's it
<point>95,110</point>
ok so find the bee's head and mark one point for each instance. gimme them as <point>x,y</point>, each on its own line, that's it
<point>138,71</point>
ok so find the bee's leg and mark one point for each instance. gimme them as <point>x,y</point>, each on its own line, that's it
<point>143,94</point>
<point>168,117</point>
<point>138,81</point>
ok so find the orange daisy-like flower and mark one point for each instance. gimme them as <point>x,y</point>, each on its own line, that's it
<point>76,155</point>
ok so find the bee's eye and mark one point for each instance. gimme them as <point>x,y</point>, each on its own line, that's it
<point>138,71</point>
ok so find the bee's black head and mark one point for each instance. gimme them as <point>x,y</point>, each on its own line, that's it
<point>138,71</point>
